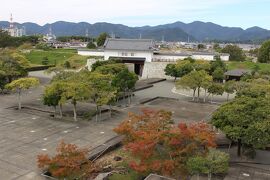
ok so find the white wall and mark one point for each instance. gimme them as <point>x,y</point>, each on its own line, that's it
<point>138,54</point>
<point>203,57</point>
<point>155,70</point>
<point>167,57</point>
<point>90,53</point>
<point>224,57</point>
<point>147,55</point>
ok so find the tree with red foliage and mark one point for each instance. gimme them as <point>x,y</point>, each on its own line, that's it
<point>70,162</point>
<point>158,146</point>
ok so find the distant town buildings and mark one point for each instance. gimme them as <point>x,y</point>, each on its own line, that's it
<point>13,30</point>
<point>49,37</point>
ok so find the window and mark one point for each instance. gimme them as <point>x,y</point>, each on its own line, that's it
<point>132,54</point>
<point>124,54</point>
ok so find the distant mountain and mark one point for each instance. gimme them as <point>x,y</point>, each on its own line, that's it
<point>178,31</point>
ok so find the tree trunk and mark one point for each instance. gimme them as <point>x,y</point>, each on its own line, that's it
<point>239,145</point>
<point>54,112</point>
<point>110,111</point>
<point>194,91</point>
<point>60,110</point>
<point>129,97</point>
<point>19,99</point>
<point>124,97</point>
<point>209,176</point>
<point>75,111</point>
<point>228,96</point>
<point>97,113</point>
<point>212,97</point>
<point>205,93</point>
<point>198,94</point>
<point>175,79</point>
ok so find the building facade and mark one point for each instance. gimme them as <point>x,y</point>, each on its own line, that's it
<point>142,54</point>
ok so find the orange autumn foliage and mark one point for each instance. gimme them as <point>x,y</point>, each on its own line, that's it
<point>70,162</point>
<point>158,146</point>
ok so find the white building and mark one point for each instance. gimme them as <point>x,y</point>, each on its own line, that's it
<point>13,30</point>
<point>141,53</point>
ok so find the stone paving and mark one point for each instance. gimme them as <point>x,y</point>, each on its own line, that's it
<point>25,134</point>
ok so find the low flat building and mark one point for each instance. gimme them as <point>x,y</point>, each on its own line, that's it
<point>142,54</point>
<point>236,74</point>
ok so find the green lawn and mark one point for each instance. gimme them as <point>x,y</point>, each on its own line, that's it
<point>58,56</point>
<point>247,65</point>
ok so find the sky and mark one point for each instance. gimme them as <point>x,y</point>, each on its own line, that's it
<point>232,13</point>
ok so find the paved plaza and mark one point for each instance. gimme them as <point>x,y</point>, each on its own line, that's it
<point>25,134</point>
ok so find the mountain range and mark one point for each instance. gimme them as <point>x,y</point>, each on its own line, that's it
<point>178,31</point>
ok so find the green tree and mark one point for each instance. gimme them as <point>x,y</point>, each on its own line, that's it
<point>170,70</point>
<point>112,69</point>
<point>229,88</point>
<point>217,48</point>
<point>22,84</point>
<point>187,82</point>
<point>45,61</point>
<point>215,89</point>
<point>194,80</point>
<point>181,68</point>
<point>102,38</point>
<point>102,63</point>
<point>245,120</point>
<point>63,75</point>
<point>201,46</point>
<point>255,88</point>
<point>91,45</point>
<point>236,53</point>
<point>199,65</point>
<point>215,162</point>
<point>21,59</point>
<point>264,52</point>
<point>2,80</point>
<point>75,91</point>
<point>52,96</point>
<point>217,63</point>
<point>218,74</point>
<point>67,64</point>
<point>12,67</point>
<point>102,90</point>
<point>125,82</point>
<point>205,85</point>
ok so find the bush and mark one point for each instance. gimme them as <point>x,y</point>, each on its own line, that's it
<point>70,162</point>
<point>67,64</point>
<point>45,61</point>
<point>43,46</point>
<point>91,45</point>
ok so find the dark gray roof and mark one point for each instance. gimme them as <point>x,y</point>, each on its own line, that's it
<point>237,72</point>
<point>129,44</point>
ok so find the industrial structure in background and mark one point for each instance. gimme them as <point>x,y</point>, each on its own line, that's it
<point>13,30</point>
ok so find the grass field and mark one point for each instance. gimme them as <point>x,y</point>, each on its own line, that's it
<point>247,65</point>
<point>56,56</point>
